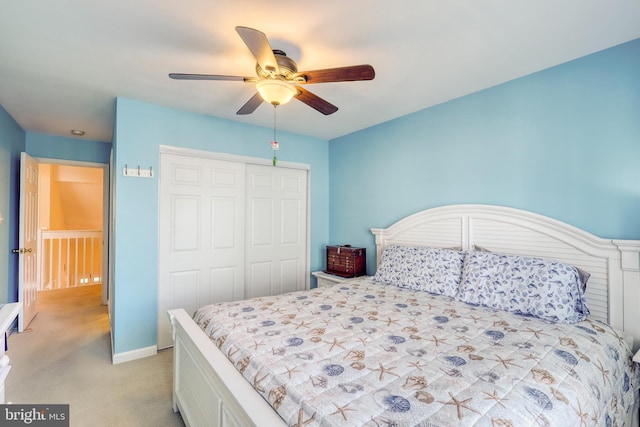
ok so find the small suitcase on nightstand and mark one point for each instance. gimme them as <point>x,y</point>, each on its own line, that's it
<point>346,261</point>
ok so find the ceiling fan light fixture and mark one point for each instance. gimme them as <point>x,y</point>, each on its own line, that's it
<point>275,91</point>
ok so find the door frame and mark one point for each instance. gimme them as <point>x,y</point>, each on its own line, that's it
<point>105,214</point>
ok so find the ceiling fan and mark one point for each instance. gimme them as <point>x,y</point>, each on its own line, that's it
<point>278,79</point>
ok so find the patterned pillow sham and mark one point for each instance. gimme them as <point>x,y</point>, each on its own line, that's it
<point>584,275</point>
<point>542,288</point>
<point>421,268</point>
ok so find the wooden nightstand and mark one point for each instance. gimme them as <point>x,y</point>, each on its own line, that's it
<point>326,279</point>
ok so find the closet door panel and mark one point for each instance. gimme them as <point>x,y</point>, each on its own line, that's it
<point>260,280</point>
<point>184,289</point>
<point>201,238</point>
<point>219,288</point>
<point>260,224</point>
<point>185,224</point>
<point>290,274</point>
<point>276,229</point>
<point>292,232</point>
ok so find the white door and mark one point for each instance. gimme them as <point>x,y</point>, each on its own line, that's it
<point>201,238</point>
<point>276,221</point>
<point>28,241</point>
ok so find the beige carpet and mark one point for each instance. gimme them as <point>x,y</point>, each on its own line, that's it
<point>65,357</point>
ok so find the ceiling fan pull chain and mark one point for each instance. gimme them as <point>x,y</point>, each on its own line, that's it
<point>274,144</point>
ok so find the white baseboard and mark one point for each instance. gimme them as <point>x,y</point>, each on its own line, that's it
<point>139,353</point>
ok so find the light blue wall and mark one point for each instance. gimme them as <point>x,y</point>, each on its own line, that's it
<point>12,143</point>
<point>67,148</point>
<point>141,128</point>
<point>564,142</point>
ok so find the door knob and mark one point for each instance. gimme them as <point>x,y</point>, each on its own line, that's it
<point>21,251</point>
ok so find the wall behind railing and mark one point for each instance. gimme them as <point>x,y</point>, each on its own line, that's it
<point>70,197</point>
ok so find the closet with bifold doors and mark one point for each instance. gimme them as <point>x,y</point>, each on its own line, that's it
<point>230,228</point>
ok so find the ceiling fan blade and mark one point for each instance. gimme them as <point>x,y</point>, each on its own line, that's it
<point>314,101</point>
<point>183,76</point>
<point>259,46</point>
<point>341,74</point>
<point>251,105</point>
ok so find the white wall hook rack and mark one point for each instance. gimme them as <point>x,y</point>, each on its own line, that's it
<point>137,172</point>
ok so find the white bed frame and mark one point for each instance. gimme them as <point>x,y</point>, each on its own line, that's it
<point>209,391</point>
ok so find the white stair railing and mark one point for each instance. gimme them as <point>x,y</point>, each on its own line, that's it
<point>70,258</point>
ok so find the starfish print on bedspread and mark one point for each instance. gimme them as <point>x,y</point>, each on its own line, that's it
<point>460,405</point>
<point>302,324</point>
<point>495,397</point>
<point>364,341</point>
<point>536,332</point>
<point>475,319</point>
<point>437,341</point>
<point>292,371</point>
<point>232,351</point>
<point>301,421</point>
<point>391,321</point>
<point>463,338</point>
<point>342,410</point>
<point>384,370</point>
<point>257,344</point>
<point>335,343</point>
<point>257,382</point>
<point>583,416</point>
<point>506,362</point>
<point>418,365</point>
<point>605,373</point>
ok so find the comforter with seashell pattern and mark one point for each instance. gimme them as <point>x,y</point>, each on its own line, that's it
<point>367,354</point>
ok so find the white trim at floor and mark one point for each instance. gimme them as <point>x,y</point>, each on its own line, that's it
<point>139,353</point>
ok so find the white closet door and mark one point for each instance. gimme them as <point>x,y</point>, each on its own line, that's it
<point>201,238</point>
<point>276,230</point>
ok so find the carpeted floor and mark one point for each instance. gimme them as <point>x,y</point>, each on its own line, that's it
<point>65,357</point>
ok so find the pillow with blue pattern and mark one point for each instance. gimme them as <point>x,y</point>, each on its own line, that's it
<point>421,268</point>
<point>538,287</point>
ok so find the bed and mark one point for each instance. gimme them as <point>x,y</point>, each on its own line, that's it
<point>383,350</point>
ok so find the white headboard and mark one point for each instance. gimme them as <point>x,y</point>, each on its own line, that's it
<point>613,290</point>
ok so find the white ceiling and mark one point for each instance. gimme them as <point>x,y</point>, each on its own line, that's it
<point>62,63</point>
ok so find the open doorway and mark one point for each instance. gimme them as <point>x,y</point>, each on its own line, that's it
<point>72,226</point>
